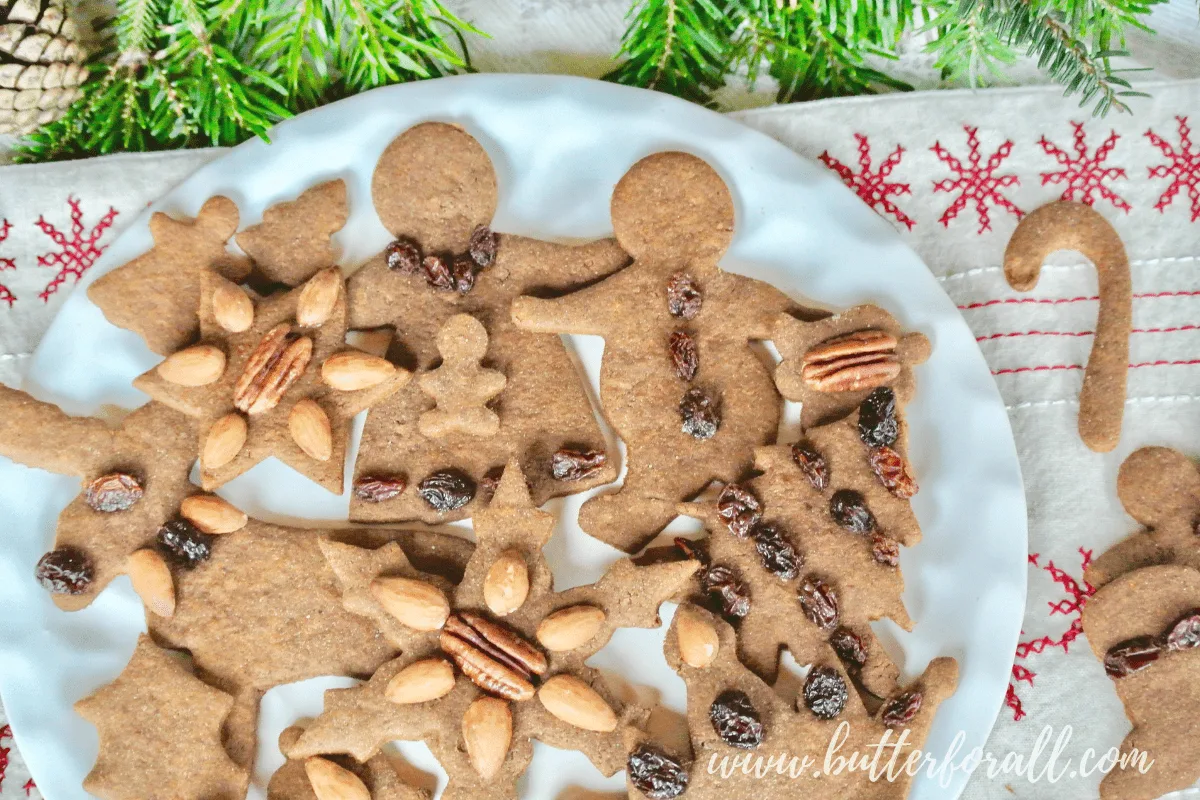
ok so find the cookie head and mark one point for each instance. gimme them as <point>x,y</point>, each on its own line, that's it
<point>435,184</point>
<point>463,339</point>
<point>673,206</point>
<point>1157,484</point>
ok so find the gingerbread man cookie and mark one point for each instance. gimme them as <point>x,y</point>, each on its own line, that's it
<point>460,387</point>
<point>679,381</point>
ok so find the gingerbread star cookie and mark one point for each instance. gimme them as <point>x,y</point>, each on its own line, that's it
<point>495,662</point>
<point>294,240</point>
<point>160,734</point>
<point>273,378</point>
<point>156,294</point>
<point>435,189</point>
<point>679,381</point>
<point>318,778</point>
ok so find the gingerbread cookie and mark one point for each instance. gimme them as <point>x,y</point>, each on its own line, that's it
<point>435,190</point>
<point>1145,627</point>
<point>519,648</point>
<point>337,778</point>
<point>732,714</point>
<point>679,381</point>
<point>156,294</point>
<point>459,386</point>
<point>273,378</point>
<point>831,365</point>
<point>294,240</point>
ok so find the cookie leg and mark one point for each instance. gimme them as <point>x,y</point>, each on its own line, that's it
<point>626,519</point>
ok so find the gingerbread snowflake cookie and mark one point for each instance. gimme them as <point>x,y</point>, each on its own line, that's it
<point>679,381</point>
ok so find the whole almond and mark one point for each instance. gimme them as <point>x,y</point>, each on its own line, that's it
<point>506,584</point>
<point>224,441</point>
<point>318,297</point>
<point>575,703</point>
<point>568,628</point>
<point>198,365</point>
<point>487,733</point>
<point>417,604</point>
<point>211,514</point>
<point>151,579</point>
<point>354,370</point>
<point>698,640</point>
<point>232,309</point>
<point>420,682</point>
<point>331,782</point>
<point>309,425</point>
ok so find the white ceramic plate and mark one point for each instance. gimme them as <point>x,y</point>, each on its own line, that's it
<point>558,145</point>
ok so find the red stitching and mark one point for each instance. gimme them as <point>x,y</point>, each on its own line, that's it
<point>29,787</point>
<point>1057,367</point>
<point>5,733</point>
<point>974,182</point>
<point>1015,334</point>
<point>76,255</point>
<point>1183,169</point>
<point>1005,301</point>
<point>872,186</point>
<point>1084,176</point>
<point>6,296</point>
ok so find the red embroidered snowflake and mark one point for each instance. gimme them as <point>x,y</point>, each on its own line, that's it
<point>1184,169</point>
<point>29,787</point>
<point>975,182</point>
<point>873,186</point>
<point>75,255</point>
<point>6,296</point>
<point>1083,176</point>
<point>1072,606</point>
<point>5,733</point>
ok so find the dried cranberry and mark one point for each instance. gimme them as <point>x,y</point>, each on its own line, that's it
<point>819,602</point>
<point>777,554</point>
<point>735,720</point>
<point>812,464</point>
<point>438,272</point>
<point>1131,655</point>
<point>483,246</point>
<point>186,545</point>
<point>403,256</point>
<point>117,491</point>
<point>1185,633</point>
<point>378,488</point>
<point>568,464</point>
<point>700,414</point>
<point>463,274</point>
<point>900,710</point>
<point>65,570</point>
<point>877,423</point>
<point>682,349</point>
<point>892,470</point>
<point>825,692</point>
<point>447,490</point>
<point>849,647</point>
<point>885,550</point>
<point>849,510</point>
<point>722,582</point>
<point>656,774</point>
<point>683,296</point>
<point>694,551</point>
<point>739,509</point>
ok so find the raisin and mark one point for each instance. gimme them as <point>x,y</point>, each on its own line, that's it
<point>739,509</point>
<point>377,488</point>
<point>438,273</point>
<point>849,647</point>
<point>186,546</point>
<point>892,471</point>
<point>491,482</point>
<point>656,774</point>
<point>877,423</point>
<point>447,490</point>
<point>722,581</point>
<point>463,274</point>
<point>819,602</point>
<point>682,349</point>
<point>483,246</point>
<point>885,550</point>
<point>849,510</point>
<point>1131,655</point>
<point>735,720</point>
<point>65,570</point>
<point>683,296</point>
<point>825,692</point>
<point>700,414</point>
<point>575,465</point>
<point>1185,633</point>
<point>693,551</point>
<point>403,256</point>
<point>777,554</point>
<point>812,464</point>
<point>900,710</point>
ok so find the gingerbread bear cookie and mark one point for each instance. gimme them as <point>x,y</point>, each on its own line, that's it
<point>494,662</point>
<point>156,294</point>
<point>679,381</point>
<point>1144,626</point>
<point>294,240</point>
<point>435,189</point>
<point>337,778</point>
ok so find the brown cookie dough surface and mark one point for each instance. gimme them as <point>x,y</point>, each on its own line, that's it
<point>294,240</point>
<point>378,776</point>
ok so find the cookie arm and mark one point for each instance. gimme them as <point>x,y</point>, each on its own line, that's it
<point>43,436</point>
<point>574,265</point>
<point>766,304</point>
<point>579,312</point>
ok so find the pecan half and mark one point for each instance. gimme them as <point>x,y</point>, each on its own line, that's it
<point>851,362</point>
<point>494,657</point>
<point>276,363</point>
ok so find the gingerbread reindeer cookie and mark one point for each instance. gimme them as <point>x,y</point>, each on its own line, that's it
<point>679,381</point>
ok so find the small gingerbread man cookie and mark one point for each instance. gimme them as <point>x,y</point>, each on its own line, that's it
<point>460,386</point>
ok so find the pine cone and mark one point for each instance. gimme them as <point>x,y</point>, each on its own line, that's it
<point>41,63</point>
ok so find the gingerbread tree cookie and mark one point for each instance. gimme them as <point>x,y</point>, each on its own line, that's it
<point>156,294</point>
<point>732,714</point>
<point>435,190</point>
<point>519,648</point>
<point>679,382</point>
<point>273,378</point>
<point>160,734</point>
<point>339,778</point>
<point>460,387</point>
<point>293,241</point>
